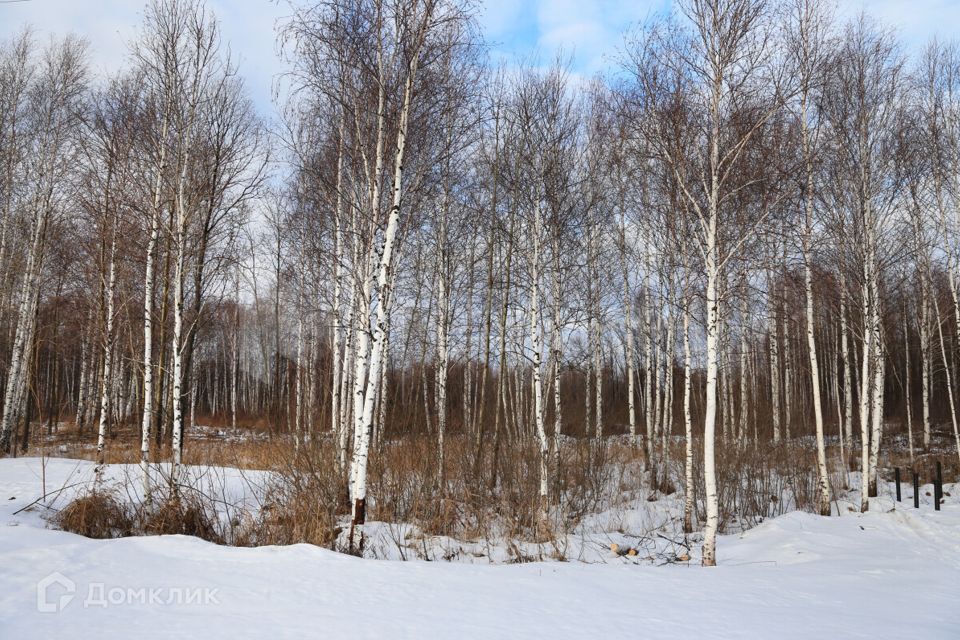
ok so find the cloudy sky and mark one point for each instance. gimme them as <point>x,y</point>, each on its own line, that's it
<point>588,30</point>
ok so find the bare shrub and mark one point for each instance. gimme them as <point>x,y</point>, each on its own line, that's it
<point>477,506</point>
<point>756,482</point>
<point>96,515</point>
<point>188,515</point>
<point>301,503</point>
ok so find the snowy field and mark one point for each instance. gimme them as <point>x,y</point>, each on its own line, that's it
<point>891,573</point>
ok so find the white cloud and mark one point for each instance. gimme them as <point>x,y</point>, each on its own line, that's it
<point>109,25</point>
<point>500,16</point>
<point>592,30</point>
<point>916,21</point>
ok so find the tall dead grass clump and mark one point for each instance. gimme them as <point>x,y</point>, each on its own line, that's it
<point>97,514</point>
<point>303,501</point>
<point>182,514</point>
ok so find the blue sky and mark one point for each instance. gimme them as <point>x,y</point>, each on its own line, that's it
<point>588,30</point>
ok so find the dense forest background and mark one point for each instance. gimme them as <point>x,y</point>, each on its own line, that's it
<point>744,237</point>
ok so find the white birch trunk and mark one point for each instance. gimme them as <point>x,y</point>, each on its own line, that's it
<point>710,409</point>
<point>536,346</point>
<point>823,480</point>
<point>688,489</point>
<point>774,361</point>
<point>363,420</point>
<point>648,365</point>
<point>148,281</point>
<point>744,347</point>
<point>443,362</point>
<point>339,361</point>
<point>907,384</point>
<point>787,376</point>
<point>847,369</point>
<point>105,393</point>
<point>865,384</point>
<point>557,342</point>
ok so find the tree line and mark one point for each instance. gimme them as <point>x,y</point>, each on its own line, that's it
<point>745,233</point>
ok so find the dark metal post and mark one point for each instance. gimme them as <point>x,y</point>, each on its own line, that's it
<point>916,490</point>
<point>896,475</point>
<point>938,487</point>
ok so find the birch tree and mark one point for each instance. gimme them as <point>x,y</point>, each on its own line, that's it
<point>722,46</point>
<point>861,106</point>
<point>810,53</point>
<point>54,110</point>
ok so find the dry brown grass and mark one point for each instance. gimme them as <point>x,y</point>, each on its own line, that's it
<point>493,498</point>
<point>244,448</point>
<point>303,502</point>
<point>101,515</point>
<point>179,515</point>
<point>96,515</point>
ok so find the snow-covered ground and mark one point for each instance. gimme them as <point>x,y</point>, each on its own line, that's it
<point>891,573</point>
